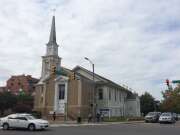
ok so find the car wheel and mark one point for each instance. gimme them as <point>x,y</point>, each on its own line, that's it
<point>31,127</point>
<point>5,126</point>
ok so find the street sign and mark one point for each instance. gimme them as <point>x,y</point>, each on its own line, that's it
<point>176,81</point>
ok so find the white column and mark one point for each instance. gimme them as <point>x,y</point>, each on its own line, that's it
<point>56,97</point>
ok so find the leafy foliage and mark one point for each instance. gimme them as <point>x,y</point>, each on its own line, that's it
<point>7,101</point>
<point>171,102</point>
<point>25,99</point>
<point>147,103</point>
<point>18,103</point>
<point>22,108</point>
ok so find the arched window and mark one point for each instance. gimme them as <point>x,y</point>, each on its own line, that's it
<point>61,91</point>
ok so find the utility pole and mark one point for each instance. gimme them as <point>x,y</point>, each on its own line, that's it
<point>93,91</point>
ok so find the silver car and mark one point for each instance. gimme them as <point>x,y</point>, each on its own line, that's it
<point>178,115</point>
<point>167,117</point>
<point>152,117</point>
<point>23,121</point>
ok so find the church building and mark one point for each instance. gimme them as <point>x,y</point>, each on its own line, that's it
<point>78,92</point>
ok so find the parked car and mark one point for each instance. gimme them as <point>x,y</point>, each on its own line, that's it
<point>178,115</point>
<point>152,117</point>
<point>167,117</point>
<point>175,116</point>
<point>23,121</point>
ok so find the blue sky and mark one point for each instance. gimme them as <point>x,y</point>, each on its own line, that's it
<point>132,42</point>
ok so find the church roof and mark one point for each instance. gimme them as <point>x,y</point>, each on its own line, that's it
<point>102,80</point>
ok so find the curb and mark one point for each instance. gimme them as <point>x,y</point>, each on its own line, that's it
<point>92,124</point>
<point>74,125</point>
<point>126,122</point>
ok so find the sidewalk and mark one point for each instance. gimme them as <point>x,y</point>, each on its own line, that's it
<point>75,124</point>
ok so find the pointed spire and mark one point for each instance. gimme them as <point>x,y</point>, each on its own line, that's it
<point>52,38</point>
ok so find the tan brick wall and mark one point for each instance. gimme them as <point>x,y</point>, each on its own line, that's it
<point>49,95</point>
<point>87,89</point>
<point>44,97</point>
<point>72,99</point>
<point>73,92</point>
<point>79,98</point>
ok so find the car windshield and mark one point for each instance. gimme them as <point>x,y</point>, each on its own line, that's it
<point>152,113</point>
<point>29,117</point>
<point>166,114</point>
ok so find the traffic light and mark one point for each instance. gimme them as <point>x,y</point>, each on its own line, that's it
<point>53,70</point>
<point>72,76</point>
<point>167,82</point>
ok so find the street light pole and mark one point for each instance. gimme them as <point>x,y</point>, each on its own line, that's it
<point>93,92</point>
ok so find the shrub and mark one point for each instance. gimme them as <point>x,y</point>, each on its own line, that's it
<point>36,114</point>
<point>114,119</point>
<point>135,119</point>
<point>22,108</point>
<point>122,119</point>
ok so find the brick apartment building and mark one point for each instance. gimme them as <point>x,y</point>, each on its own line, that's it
<point>24,82</point>
<point>2,89</point>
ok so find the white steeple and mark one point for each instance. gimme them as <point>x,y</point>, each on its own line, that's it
<point>52,47</point>
<point>51,58</point>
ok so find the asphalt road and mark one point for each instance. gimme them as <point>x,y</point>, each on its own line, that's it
<point>116,129</point>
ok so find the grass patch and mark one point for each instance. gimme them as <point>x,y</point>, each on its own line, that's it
<point>114,119</point>
<point>122,119</point>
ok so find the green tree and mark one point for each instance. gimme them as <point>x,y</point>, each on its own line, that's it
<point>24,103</point>
<point>171,101</point>
<point>147,103</point>
<point>7,101</point>
<point>18,103</point>
<point>25,99</point>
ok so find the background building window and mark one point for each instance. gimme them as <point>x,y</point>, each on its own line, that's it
<point>100,94</point>
<point>61,91</point>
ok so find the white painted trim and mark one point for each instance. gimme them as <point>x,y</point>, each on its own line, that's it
<point>58,81</point>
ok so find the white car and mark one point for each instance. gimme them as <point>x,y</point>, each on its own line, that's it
<point>23,121</point>
<point>167,117</point>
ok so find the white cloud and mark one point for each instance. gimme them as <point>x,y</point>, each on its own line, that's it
<point>131,42</point>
